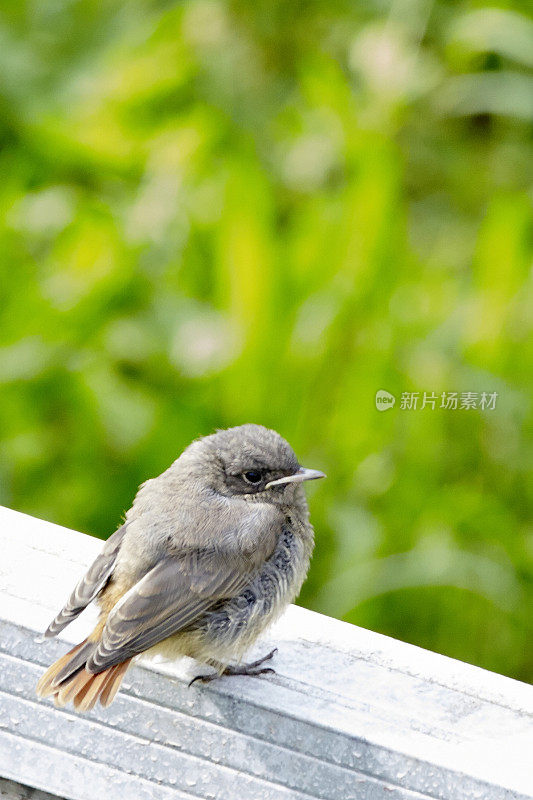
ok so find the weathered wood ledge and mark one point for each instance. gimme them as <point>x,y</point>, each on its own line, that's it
<point>349,714</point>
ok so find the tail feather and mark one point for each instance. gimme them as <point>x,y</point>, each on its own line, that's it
<point>87,696</point>
<point>45,686</point>
<point>112,684</point>
<point>69,690</point>
<point>67,680</point>
<point>75,663</point>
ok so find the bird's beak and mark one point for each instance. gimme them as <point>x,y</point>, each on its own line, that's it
<point>303,474</point>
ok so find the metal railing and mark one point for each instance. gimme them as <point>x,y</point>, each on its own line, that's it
<point>349,714</point>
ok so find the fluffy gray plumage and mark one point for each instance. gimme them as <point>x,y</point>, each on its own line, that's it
<point>209,554</point>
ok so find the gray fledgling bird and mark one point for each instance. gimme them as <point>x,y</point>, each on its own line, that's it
<point>210,553</point>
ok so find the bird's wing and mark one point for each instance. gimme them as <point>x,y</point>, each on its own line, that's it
<point>89,586</point>
<point>178,590</point>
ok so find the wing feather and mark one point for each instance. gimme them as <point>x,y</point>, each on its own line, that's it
<point>89,586</point>
<point>177,591</point>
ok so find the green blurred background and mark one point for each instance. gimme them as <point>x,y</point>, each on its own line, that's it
<point>220,212</point>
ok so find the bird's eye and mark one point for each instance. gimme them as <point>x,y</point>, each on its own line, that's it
<point>252,476</point>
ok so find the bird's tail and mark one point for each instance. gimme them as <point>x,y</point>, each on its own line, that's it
<point>69,680</point>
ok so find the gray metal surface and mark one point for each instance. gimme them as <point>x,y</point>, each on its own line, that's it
<point>349,714</point>
<point>11,790</point>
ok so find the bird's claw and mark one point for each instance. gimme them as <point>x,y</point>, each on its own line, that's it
<point>203,678</point>
<point>244,669</point>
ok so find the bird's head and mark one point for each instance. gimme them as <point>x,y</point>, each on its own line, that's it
<point>252,461</point>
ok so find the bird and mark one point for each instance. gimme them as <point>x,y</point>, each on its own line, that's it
<point>210,553</point>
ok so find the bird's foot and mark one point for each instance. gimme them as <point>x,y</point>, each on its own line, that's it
<point>254,668</point>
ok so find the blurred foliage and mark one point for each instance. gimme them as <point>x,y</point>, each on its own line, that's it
<point>219,212</point>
